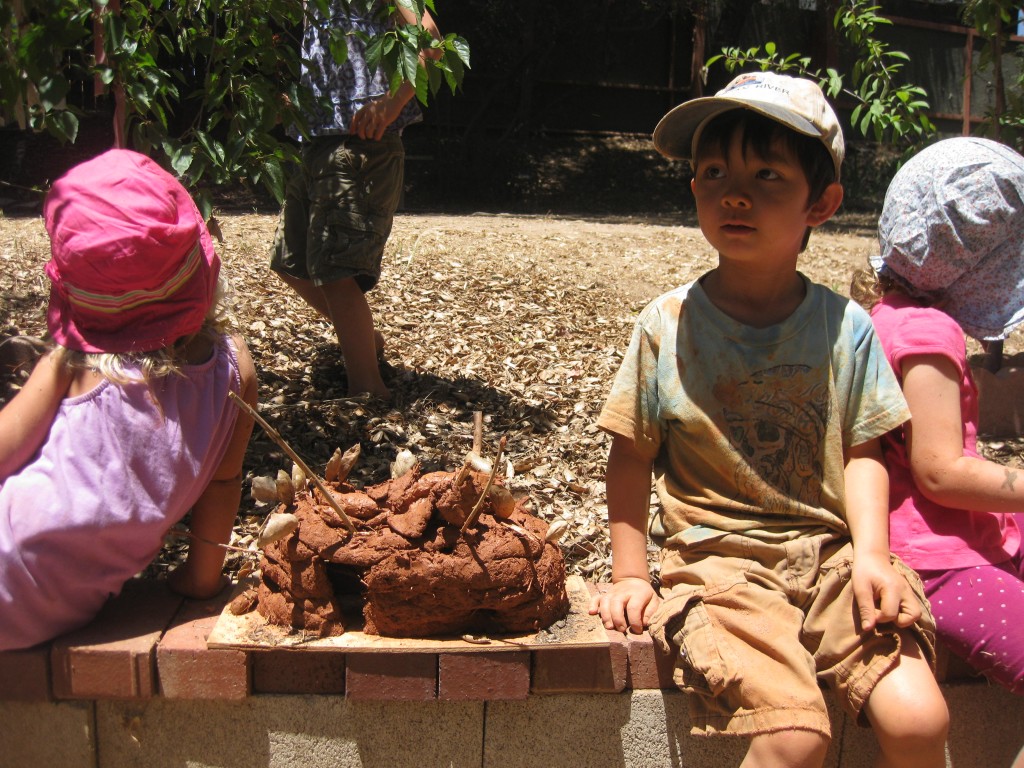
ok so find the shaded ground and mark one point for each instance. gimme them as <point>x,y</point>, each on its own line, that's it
<point>522,318</point>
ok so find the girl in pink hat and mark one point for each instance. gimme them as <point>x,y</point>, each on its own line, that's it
<point>125,426</point>
<point>952,262</point>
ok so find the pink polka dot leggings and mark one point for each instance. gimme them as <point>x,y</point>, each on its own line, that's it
<point>978,614</point>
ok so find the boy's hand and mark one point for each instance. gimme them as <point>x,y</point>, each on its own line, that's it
<point>373,118</point>
<point>881,593</point>
<point>629,603</point>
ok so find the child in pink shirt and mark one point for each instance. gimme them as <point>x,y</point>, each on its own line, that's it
<point>126,425</point>
<point>952,262</point>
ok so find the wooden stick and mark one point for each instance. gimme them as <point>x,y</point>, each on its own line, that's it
<point>490,479</point>
<point>276,437</point>
<point>478,432</point>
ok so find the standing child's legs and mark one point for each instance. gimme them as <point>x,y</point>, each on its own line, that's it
<point>345,305</point>
<point>353,322</point>
<point>336,219</point>
<point>908,713</point>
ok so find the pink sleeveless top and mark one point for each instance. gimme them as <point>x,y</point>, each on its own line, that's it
<point>90,510</point>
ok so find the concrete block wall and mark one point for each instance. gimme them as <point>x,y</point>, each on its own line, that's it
<point>139,687</point>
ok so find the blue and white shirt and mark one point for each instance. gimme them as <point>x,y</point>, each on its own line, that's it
<point>340,91</point>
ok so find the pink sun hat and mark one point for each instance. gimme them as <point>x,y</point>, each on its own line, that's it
<point>132,266</point>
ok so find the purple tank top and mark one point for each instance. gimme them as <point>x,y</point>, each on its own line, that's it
<point>90,510</point>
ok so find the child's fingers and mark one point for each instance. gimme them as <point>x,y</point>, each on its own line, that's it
<point>864,596</point>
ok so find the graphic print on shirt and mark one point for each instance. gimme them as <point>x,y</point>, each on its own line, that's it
<point>776,421</point>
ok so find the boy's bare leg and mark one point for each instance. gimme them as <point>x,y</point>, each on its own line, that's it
<point>310,293</point>
<point>320,299</point>
<point>908,713</point>
<point>786,749</point>
<point>353,322</point>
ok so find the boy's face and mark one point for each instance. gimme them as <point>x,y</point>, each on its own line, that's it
<point>753,208</point>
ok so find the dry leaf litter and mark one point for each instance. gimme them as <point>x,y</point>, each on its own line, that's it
<point>522,319</point>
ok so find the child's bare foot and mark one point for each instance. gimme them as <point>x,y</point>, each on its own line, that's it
<point>371,384</point>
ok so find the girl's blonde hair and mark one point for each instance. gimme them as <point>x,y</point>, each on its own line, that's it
<point>124,368</point>
<point>868,287</point>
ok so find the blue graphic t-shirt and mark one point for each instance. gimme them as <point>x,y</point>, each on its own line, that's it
<point>341,90</point>
<point>747,426</point>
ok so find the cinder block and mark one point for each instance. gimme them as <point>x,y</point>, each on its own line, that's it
<point>649,667</point>
<point>113,657</point>
<point>301,672</point>
<point>592,669</point>
<point>25,675</point>
<point>44,735</point>
<point>391,677</point>
<point>190,670</point>
<point>484,676</point>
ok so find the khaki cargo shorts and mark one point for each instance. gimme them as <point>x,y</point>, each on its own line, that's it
<point>755,627</point>
<point>338,210</point>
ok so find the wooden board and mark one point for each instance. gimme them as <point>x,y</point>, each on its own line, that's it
<point>251,631</point>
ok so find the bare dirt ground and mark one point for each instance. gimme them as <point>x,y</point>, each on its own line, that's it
<point>521,318</point>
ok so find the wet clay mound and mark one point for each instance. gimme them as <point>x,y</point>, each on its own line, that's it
<point>414,566</point>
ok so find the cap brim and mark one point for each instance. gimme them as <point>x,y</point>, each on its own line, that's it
<point>673,136</point>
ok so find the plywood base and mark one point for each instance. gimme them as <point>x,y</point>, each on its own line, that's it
<point>251,631</point>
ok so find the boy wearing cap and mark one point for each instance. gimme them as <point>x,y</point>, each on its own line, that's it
<point>758,398</point>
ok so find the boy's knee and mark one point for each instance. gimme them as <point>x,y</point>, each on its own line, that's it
<point>787,748</point>
<point>914,726</point>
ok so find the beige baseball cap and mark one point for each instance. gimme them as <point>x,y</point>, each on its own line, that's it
<point>795,102</point>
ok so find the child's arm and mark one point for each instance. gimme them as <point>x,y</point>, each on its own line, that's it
<point>25,421</point>
<point>631,601</point>
<point>935,444</point>
<point>881,592</point>
<point>213,515</point>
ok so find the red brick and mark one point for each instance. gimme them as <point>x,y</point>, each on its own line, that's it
<point>649,667</point>
<point>391,676</point>
<point>25,675</point>
<point>484,676</point>
<point>113,657</point>
<point>588,669</point>
<point>190,670</point>
<point>282,671</point>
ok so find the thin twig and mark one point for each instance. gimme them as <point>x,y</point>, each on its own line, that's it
<point>276,437</point>
<point>490,479</point>
<point>189,535</point>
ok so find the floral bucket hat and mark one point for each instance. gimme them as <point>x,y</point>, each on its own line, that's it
<point>952,232</point>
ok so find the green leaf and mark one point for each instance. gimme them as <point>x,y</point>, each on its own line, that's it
<point>461,48</point>
<point>181,161</point>
<point>63,125</point>
<point>273,178</point>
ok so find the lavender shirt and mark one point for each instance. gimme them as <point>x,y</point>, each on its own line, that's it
<point>90,510</point>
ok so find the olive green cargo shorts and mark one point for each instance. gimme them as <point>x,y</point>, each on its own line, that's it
<point>338,210</point>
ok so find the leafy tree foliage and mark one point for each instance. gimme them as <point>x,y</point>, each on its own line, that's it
<point>886,107</point>
<point>209,85</point>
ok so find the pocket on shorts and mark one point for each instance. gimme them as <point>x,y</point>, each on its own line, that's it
<point>704,661</point>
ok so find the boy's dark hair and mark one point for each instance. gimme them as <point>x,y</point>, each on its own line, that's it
<point>759,133</point>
